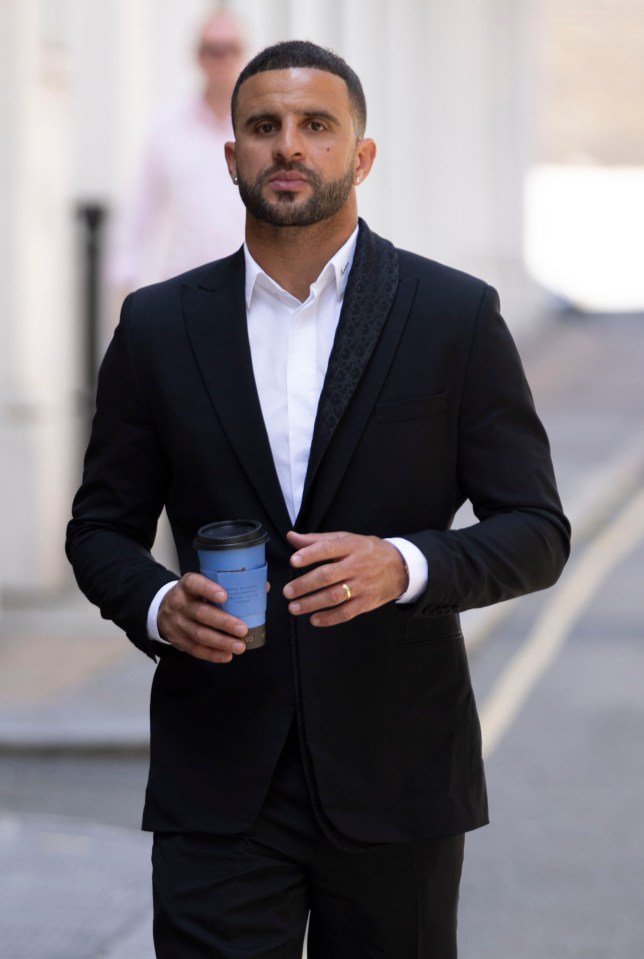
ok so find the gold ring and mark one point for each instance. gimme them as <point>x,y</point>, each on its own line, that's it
<point>347,591</point>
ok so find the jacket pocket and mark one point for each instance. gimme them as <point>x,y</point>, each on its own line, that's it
<point>415,408</point>
<point>437,629</point>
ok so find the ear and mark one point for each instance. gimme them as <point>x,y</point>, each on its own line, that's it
<point>365,156</point>
<point>231,158</point>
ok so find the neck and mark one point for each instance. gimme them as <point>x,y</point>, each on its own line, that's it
<point>218,102</point>
<point>295,256</point>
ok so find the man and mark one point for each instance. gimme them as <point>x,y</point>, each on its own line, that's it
<point>350,396</point>
<point>181,209</point>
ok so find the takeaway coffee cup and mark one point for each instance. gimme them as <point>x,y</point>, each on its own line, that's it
<point>232,553</point>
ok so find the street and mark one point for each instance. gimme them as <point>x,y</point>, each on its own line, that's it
<point>558,677</point>
<point>559,871</point>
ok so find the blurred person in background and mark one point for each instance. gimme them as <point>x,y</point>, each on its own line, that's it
<point>182,210</point>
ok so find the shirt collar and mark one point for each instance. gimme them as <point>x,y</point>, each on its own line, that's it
<point>338,268</point>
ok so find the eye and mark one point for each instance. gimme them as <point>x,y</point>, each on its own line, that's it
<point>265,127</point>
<point>317,126</point>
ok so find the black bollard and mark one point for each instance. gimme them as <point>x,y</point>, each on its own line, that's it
<point>92,217</point>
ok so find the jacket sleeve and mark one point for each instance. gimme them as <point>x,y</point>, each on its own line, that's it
<point>115,512</point>
<point>522,540</point>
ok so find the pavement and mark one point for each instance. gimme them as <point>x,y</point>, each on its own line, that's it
<point>70,682</point>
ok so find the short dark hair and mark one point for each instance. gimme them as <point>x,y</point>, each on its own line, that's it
<point>302,54</point>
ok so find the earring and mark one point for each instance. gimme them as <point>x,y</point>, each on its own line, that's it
<point>358,179</point>
<point>235,179</point>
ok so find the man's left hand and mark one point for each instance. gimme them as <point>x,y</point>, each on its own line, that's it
<point>357,574</point>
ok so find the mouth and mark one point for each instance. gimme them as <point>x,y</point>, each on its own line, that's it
<point>288,180</point>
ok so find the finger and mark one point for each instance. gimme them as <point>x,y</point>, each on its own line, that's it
<point>322,577</point>
<point>336,595</point>
<point>198,625</point>
<point>320,548</point>
<point>201,602</point>
<point>340,614</point>
<point>187,621</point>
<point>182,630</point>
<point>207,653</point>
<point>205,642</point>
<point>201,587</point>
<point>216,620</point>
<point>184,607</point>
<point>306,538</point>
<point>224,642</point>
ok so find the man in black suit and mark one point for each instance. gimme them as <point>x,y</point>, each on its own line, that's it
<point>320,381</point>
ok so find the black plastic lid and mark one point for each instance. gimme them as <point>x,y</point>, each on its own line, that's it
<point>230,534</point>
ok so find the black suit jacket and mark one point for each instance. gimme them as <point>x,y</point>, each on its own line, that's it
<point>424,404</point>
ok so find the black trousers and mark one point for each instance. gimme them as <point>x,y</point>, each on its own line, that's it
<point>249,896</point>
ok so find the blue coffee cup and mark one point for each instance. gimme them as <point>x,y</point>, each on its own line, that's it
<point>232,553</point>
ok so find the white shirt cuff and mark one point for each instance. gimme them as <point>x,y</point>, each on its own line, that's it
<point>417,566</point>
<point>153,612</point>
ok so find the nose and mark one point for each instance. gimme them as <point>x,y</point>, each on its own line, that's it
<point>289,144</point>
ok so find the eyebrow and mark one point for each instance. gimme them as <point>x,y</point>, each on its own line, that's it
<point>305,114</point>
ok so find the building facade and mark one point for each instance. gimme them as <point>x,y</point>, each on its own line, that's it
<point>456,98</point>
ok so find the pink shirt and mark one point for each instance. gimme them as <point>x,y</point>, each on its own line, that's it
<point>183,210</point>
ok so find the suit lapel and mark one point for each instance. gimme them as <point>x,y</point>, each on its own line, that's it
<point>373,315</point>
<point>215,318</point>
<point>367,301</point>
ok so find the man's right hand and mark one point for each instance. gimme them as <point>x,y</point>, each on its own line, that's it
<point>188,620</point>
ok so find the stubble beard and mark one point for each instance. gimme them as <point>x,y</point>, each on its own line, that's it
<point>326,199</point>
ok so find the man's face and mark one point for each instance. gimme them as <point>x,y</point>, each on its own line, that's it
<point>221,52</point>
<point>296,152</point>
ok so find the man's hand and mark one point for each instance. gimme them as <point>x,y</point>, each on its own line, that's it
<point>358,573</point>
<point>189,621</point>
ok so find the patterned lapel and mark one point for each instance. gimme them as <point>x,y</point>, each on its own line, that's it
<point>368,298</point>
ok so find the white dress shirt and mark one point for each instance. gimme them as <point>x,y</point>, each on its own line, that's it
<point>290,344</point>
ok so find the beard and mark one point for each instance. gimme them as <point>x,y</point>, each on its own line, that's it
<point>327,197</point>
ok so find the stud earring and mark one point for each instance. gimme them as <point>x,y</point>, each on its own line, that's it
<point>235,179</point>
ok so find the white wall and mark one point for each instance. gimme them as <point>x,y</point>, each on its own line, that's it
<point>39,399</point>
